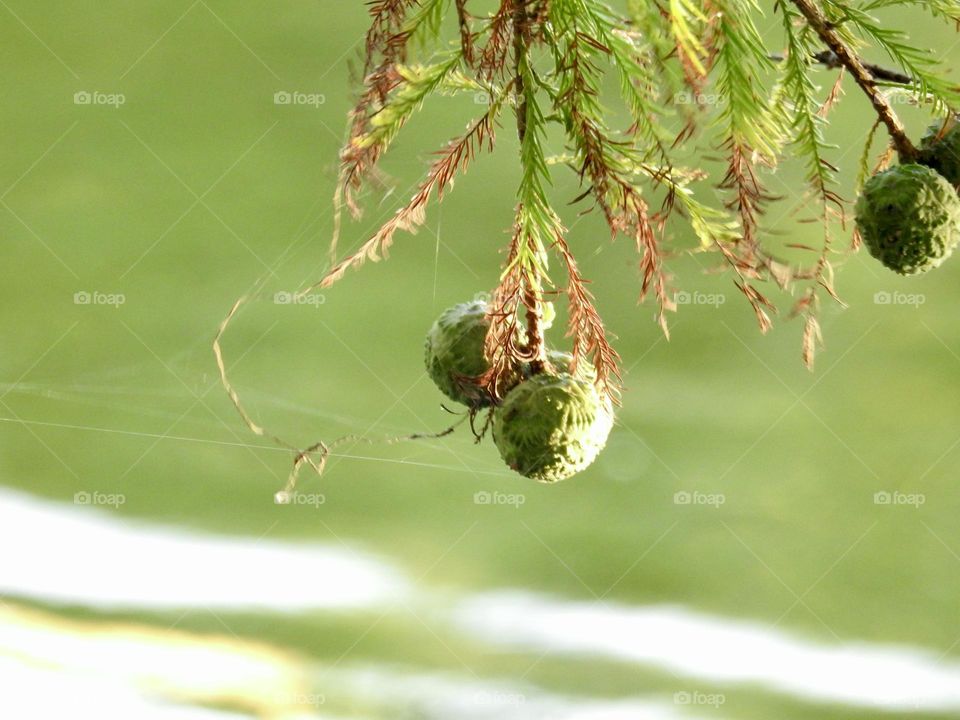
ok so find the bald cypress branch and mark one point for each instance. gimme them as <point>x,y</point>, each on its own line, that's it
<point>864,78</point>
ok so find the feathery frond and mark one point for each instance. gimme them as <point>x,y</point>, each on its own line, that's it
<point>684,70</point>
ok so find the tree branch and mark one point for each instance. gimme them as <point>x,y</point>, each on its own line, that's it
<point>466,36</point>
<point>521,36</point>
<point>532,300</point>
<point>829,60</point>
<point>861,74</point>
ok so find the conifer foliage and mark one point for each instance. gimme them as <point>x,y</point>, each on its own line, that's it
<point>569,67</point>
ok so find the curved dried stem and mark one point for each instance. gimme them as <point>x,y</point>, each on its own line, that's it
<point>317,454</point>
<point>235,396</point>
<point>586,328</point>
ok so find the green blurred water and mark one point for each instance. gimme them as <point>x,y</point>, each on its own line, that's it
<point>198,184</point>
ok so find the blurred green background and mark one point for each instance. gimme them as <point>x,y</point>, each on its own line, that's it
<point>198,185</point>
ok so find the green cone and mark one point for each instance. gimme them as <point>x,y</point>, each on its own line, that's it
<point>909,218</point>
<point>942,153</point>
<point>562,361</point>
<point>454,352</point>
<point>550,427</point>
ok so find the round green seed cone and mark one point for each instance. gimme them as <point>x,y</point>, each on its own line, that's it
<point>941,151</point>
<point>563,361</point>
<point>550,427</point>
<point>909,218</point>
<point>454,353</point>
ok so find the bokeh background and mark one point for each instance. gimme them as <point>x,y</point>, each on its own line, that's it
<point>756,541</point>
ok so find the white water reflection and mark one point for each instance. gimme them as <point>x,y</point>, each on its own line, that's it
<point>445,696</point>
<point>51,667</point>
<point>91,556</point>
<point>39,692</point>
<point>717,650</point>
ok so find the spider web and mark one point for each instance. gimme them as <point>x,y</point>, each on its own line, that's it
<point>121,389</point>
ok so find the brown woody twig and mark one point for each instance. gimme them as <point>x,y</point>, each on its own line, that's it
<point>861,74</point>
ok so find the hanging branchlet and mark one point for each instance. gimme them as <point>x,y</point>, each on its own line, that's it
<point>453,159</point>
<point>504,345</point>
<point>702,67</point>
<point>519,297</point>
<point>751,140</point>
<point>679,56</point>
<point>532,196</point>
<point>605,163</point>
<point>385,47</point>
<point>374,128</point>
<point>586,327</point>
<point>666,56</point>
<point>806,129</point>
<point>466,34</point>
<point>386,18</point>
<point>494,57</point>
